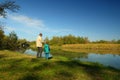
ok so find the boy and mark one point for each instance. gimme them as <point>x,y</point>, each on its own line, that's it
<point>46,50</point>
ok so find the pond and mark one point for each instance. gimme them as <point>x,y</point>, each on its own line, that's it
<point>31,52</point>
<point>105,59</point>
<point>112,60</point>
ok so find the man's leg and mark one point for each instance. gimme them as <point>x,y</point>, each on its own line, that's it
<point>40,51</point>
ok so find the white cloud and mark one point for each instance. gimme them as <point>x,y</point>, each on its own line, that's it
<point>10,28</point>
<point>20,24</point>
<point>57,30</point>
<point>27,20</point>
<point>35,24</point>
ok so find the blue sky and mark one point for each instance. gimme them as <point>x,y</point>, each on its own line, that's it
<point>95,19</point>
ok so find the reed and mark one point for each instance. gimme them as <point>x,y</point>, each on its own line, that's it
<point>110,48</point>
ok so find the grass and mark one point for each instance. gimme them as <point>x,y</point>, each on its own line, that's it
<point>16,66</point>
<point>93,46</point>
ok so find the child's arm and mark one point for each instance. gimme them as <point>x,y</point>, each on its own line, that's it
<point>49,48</point>
<point>44,48</point>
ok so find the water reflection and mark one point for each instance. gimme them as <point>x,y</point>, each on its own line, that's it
<point>34,53</point>
<point>105,59</point>
<point>30,51</point>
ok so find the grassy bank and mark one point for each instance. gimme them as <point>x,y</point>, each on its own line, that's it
<point>16,66</point>
<point>97,48</point>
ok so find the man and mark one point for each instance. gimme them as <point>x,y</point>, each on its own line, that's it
<point>39,45</point>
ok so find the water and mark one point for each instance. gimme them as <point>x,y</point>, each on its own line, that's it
<point>34,53</point>
<point>112,60</point>
<point>105,59</point>
<point>31,52</point>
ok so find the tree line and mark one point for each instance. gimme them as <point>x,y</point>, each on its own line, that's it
<point>68,39</point>
<point>12,42</point>
<point>71,39</point>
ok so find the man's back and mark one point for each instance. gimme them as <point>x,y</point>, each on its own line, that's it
<point>39,41</point>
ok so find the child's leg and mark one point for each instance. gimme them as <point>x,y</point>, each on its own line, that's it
<point>47,55</point>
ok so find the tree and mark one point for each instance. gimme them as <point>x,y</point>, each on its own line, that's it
<point>56,41</point>
<point>102,41</point>
<point>12,41</point>
<point>69,39</point>
<point>4,8</point>
<point>8,5</point>
<point>1,36</point>
<point>47,39</point>
<point>118,41</point>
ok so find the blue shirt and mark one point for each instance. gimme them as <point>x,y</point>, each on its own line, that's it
<point>46,48</point>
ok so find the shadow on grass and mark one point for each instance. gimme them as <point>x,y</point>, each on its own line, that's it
<point>2,56</point>
<point>31,76</point>
<point>94,71</point>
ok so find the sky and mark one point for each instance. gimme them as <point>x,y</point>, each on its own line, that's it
<point>95,19</point>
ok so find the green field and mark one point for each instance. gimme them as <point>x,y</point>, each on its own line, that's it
<point>17,66</point>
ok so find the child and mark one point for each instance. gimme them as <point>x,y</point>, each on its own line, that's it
<point>46,50</point>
